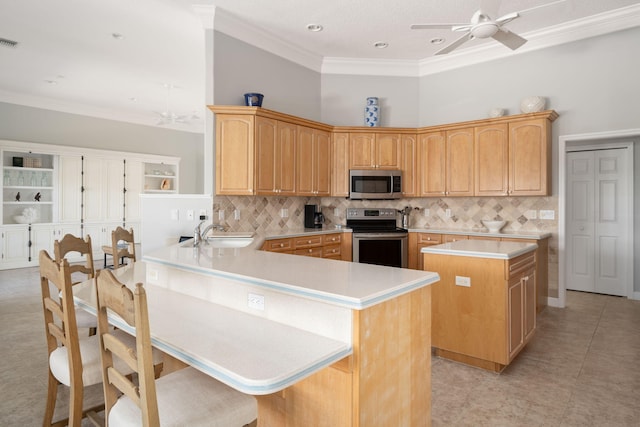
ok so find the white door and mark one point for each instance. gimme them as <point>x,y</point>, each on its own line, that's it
<point>70,188</point>
<point>598,223</point>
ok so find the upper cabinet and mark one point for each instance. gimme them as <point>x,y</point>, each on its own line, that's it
<point>492,157</point>
<point>314,162</point>
<point>445,163</point>
<point>375,151</point>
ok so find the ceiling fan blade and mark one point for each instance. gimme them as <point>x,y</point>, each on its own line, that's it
<point>509,39</point>
<point>507,18</point>
<point>435,26</point>
<point>460,28</point>
<point>459,42</point>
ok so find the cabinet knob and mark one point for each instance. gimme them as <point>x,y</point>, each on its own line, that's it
<point>282,245</point>
<point>308,242</point>
<point>309,250</point>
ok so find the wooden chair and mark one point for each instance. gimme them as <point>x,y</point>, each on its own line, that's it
<point>185,397</point>
<point>61,248</point>
<point>122,246</point>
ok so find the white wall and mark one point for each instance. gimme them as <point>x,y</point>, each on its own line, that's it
<point>164,218</point>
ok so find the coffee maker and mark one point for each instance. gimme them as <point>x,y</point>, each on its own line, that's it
<point>313,217</point>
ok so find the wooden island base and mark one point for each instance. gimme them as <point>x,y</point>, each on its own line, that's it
<point>470,360</point>
<point>386,382</point>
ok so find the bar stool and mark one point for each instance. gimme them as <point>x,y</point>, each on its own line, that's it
<point>122,246</point>
<point>185,397</point>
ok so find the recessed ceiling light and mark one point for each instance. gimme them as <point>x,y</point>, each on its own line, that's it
<point>315,27</point>
<point>117,36</point>
<point>381,45</point>
<point>437,40</point>
<point>51,82</point>
<point>133,99</point>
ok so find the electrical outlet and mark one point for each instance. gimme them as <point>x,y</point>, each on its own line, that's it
<point>336,212</point>
<point>236,214</point>
<point>255,301</point>
<point>221,215</point>
<point>463,281</point>
<point>152,275</point>
<point>426,212</point>
<point>447,213</point>
<point>284,213</point>
<point>547,214</point>
<point>203,212</point>
<point>190,215</point>
<point>175,215</point>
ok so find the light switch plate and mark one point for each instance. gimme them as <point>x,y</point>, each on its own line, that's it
<point>547,214</point>
<point>463,281</point>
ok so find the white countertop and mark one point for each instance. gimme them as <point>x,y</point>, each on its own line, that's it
<point>481,249</point>
<point>532,235</point>
<point>346,284</point>
<point>249,353</point>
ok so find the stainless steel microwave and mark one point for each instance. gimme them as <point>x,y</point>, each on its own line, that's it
<point>375,184</point>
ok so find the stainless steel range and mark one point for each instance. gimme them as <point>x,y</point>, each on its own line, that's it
<point>377,239</point>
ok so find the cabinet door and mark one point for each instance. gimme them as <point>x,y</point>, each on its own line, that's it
<point>459,165</point>
<point>70,187</point>
<point>42,237</point>
<point>340,165</point>
<point>408,167</point>
<point>492,160</point>
<point>361,153</point>
<point>322,162</point>
<point>104,185</point>
<point>305,162</point>
<point>431,164</point>
<point>529,303</point>
<point>529,158</point>
<point>516,315</point>
<point>266,156</point>
<point>134,186</point>
<point>285,170</point>
<point>388,151</point>
<point>15,244</point>
<point>234,154</point>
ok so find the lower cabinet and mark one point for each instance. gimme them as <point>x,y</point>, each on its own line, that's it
<point>332,246</point>
<point>487,321</point>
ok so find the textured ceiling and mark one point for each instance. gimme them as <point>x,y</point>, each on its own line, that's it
<point>67,58</point>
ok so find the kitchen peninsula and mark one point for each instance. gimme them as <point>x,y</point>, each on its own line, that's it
<point>320,342</point>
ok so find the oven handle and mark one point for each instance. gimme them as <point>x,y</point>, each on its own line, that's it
<point>380,235</point>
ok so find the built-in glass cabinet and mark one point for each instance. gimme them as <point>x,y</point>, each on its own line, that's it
<point>28,187</point>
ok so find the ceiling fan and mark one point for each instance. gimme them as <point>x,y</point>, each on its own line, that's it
<point>168,117</point>
<point>482,26</point>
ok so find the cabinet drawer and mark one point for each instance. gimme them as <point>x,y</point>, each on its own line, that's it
<point>430,238</point>
<point>315,252</point>
<point>307,242</point>
<point>278,245</point>
<point>330,239</point>
<point>448,238</point>
<point>332,251</point>
<point>520,264</point>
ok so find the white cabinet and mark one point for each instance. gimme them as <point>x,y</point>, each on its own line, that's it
<point>15,246</point>
<point>70,188</point>
<point>27,187</point>
<point>160,177</point>
<point>134,187</point>
<point>103,189</point>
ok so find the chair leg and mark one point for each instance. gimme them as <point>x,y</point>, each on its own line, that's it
<point>52,394</point>
<point>75,404</point>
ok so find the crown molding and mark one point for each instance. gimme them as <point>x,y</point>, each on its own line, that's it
<point>604,23</point>
<point>236,28</point>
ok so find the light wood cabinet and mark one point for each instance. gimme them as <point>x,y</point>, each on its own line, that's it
<point>235,139</point>
<point>275,157</point>
<point>340,164</point>
<point>542,269</point>
<point>333,246</point>
<point>488,322</point>
<point>530,157</point>
<point>432,164</point>
<point>492,160</point>
<point>409,166</point>
<point>375,151</point>
<point>313,162</point>
<point>416,242</point>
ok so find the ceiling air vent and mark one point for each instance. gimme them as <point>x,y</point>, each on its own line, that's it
<point>7,43</point>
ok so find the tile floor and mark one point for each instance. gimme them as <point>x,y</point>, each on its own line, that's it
<point>579,369</point>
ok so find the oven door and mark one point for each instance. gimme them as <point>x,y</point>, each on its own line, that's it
<point>388,249</point>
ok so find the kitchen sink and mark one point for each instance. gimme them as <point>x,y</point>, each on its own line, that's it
<point>223,240</point>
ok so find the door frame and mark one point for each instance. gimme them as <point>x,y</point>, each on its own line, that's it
<point>596,140</point>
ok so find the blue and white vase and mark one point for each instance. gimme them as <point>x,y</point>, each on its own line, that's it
<point>372,113</point>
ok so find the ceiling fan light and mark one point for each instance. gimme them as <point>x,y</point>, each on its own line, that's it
<point>484,30</point>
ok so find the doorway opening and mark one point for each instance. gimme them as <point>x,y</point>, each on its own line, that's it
<point>599,141</point>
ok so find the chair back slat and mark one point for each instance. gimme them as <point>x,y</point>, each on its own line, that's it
<point>70,243</point>
<point>118,236</point>
<point>131,307</point>
<point>52,305</point>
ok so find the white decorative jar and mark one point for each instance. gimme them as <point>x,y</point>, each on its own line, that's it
<point>532,104</point>
<point>372,112</point>
<point>496,112</point>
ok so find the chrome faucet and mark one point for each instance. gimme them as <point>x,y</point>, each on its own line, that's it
<point>199,236</point>
<point>218,227</point>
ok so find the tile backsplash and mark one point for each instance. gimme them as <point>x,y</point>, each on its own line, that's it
<point>265,214</point>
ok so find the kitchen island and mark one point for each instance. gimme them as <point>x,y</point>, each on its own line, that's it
<point>483,310</point>
<point>320,342</point>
